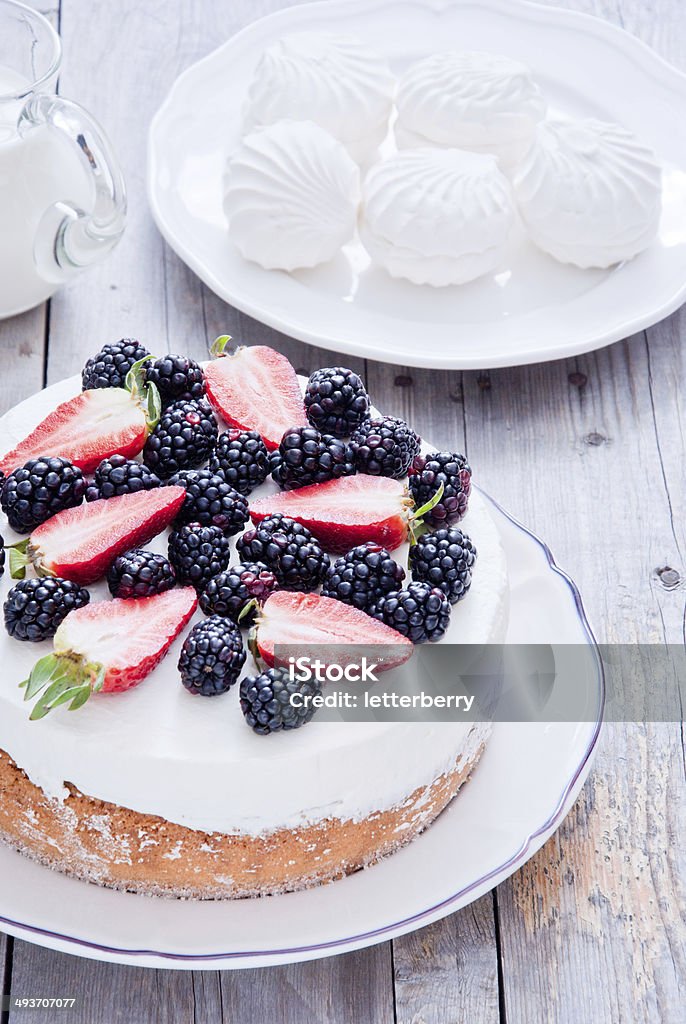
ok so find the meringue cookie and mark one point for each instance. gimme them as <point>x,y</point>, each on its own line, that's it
<point>469,100</point>
<point>436,216</point>
<point>291,194</point>
<point>589,193</point>
<point>335,81</point>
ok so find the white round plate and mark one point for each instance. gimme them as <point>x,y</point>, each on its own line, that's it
<point>533,308</point>
<point>524,785</point>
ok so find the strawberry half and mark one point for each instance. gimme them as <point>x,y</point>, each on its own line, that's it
<point>111,648</point>
<point>346,512</point>
<point>93,426</point>
<point>256,388</point>
<point>81,543</point>
<point>308,625</point>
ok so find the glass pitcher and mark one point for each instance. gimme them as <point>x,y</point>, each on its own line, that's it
<point>62,195</point>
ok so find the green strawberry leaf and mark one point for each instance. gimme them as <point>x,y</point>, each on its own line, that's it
<point>253,646</point>
<point>219,345</point>
<point>81,697</point>
<point>57,679</point>
<point>247,610</point>
<point>43,673</point>
<point>18,561</point>
<point>99,680</point>
<point>417,524</point>
<point>431,503</point>
<point>135,380</point>
<point>153,406</point>
<point>144,392</point>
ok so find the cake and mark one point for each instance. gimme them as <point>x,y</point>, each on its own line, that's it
<point>157,791</point>
<point>469,100</point>
<point>291,193</point>
<point>436,216</point>
<point>337,81</point>
<point>589,192</point>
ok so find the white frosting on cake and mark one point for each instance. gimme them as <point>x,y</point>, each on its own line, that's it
<point>436,216</point>
<point>336,81</point>
<point>469,100</point>
<point>156,749</point>
<point>589,192</point>
<point>291,194</point>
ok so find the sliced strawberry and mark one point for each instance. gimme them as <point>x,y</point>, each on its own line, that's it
<point>93,426</point>
<point>346,512</point>
<point>111,648</point>
<point>81,543</point>
<point>308,625</point>
<point>256,389</point>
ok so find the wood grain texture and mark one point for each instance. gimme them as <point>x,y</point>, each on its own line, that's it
<point>354,987</point>
<point>448,972</point>
<point>592,903</point>
<point>110,993</point>
<point>588,452</point>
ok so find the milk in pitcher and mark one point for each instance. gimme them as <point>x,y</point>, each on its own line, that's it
<point>38,169</point>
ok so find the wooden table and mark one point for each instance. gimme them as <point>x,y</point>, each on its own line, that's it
<point>588,452</point>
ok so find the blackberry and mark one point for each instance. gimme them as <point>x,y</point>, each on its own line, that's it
<point>2,556</point>
<point>444,559</point>
<point>198,553</point>
<point>362,576</point>
<point>119,475</point>
<point>212,657</point>
<point>427,473</point>
<point>384,446</point>
<point>183,439</point>
<point>266,701</point>
<point>419,612</point>
<point>210,501</point>
<point>336,401</point>
<point>35,608</point>
<point>177,377</point>
<point>40,489</point>
<point>108,367</point>
<point>229,593</point>
<point>140,573</point>
<point>287,548</point>
<point>307,457</point>
<point>242,456</point>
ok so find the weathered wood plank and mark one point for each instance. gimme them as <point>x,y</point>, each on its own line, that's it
<point>354,987</point>
<point>22,344</point>
<point>5,964</point>
<point>109,993</point>
<point>448,972</point>
<point>600,889</point>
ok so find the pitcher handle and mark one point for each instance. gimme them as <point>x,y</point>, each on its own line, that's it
<point>70,238</point>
